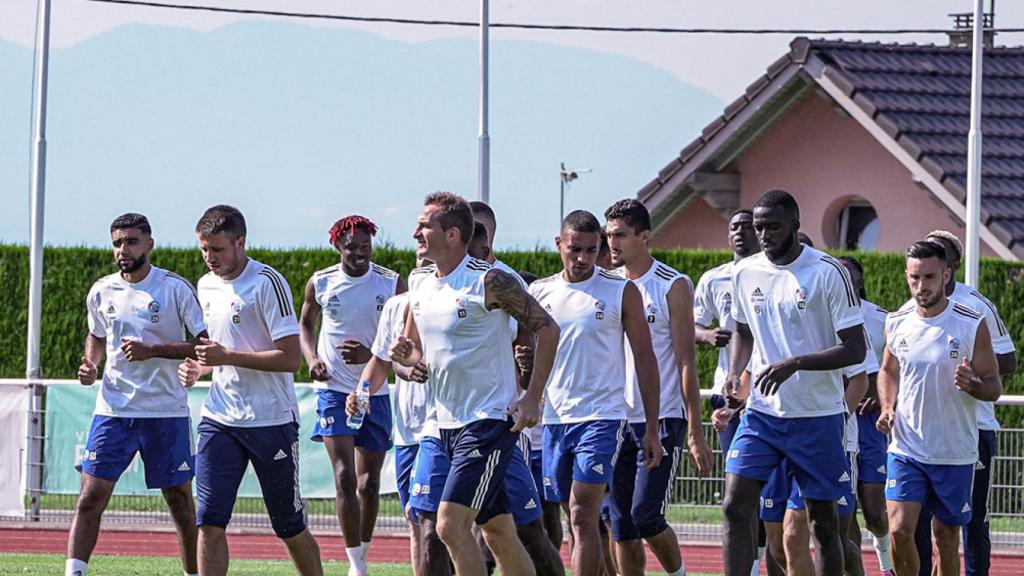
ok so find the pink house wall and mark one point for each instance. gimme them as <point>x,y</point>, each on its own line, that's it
<point>822,157</point>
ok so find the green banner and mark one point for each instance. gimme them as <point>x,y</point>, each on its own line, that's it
<point>69,416</point>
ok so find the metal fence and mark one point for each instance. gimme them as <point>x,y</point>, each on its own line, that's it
<point>694,509</point>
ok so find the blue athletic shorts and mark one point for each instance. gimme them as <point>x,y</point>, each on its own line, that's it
<point>814,449</point>
<point>164,443</point>
<point>580,452</point>
<point>480,453</point>
<point>429,473</point>
<point>375,433</point>
<point>873,448</point>
<point>943,489</point>
<point>224,454</point>
<point>780,486</point>
<point>405,457</point>
<point>537,469</point>
<point>639,497</point>
<point>725,436</point>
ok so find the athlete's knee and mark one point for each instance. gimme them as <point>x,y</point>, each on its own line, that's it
<point>875,521</point>
<point>901,532</point>
<point>453,532</point>
<point>649,524</point>
<point>92,502</point>
<point>369,483</point>
<point>345,480</point>
<point>945,536</point>
<point>738,506</point>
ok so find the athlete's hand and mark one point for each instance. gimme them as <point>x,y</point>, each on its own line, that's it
<point>720,418</point>
<point>768,382</point>
<point>134,350</point>
<point>352,405</point>
<point>720,337</point>
<point>210,353</point>
<point>653,450</point>
<point>318,371</point>
<point>700,455</point>
<point>869,405</point>
<point>886,421</point>
<point>87,372</point>
<point>524,358</point>
<point>401,351</point>
<point>965,377</point>
<point>352,352</point>
<point>419,373</point>
<point>525,413</point>
<point>188,372</point>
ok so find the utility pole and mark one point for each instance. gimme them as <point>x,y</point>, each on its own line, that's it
<point>566,176</point>
<point>484,141</point>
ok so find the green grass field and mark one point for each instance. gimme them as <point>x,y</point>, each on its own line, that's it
<point>24,564</point>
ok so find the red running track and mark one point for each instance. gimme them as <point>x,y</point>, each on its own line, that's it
<point>699,558</point>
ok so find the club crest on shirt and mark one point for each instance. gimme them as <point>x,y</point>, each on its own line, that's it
<point>652,311</point>
<point>154,307</point>
<point>801,298</point>
<point>757,298</point>
<point>462,307</point>
<point>380,302</point>
<point>600,305</point>
<point>954,348</point>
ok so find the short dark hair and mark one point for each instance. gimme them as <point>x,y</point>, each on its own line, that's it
<point>780,199</point>
<point>604,247</point>
<point>632,212</point>
<point>581,221</point>
<point>482,210</point>
<point>528,277</point>
<point>860,270</point>
<point>131,220</point>
<point>736,213</point>
<point>924,249</point>
<point>479,230</point>
<point>804,238</point>
<point>221,218</point>
<point>455,212</point>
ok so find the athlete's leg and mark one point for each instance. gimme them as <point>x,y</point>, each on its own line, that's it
<point>455,528</point>
<point>654,489</point>
<point>584,515</point>
<point>776,544</point>
<point>509,553</point>
<point>628,545</point>
<point>977,544</point>
<point>545,557</point>
<point>824,522</point>
<point>553,522</point>
<point>213,551</point>
<point>183,511</point>
<point>739,537</point>
<point>947,544</point>
<point>415,546</point>
<point>853,563</point>
<point>368,465</point>
<point>607,548</point>
<point>341,451</point>
<point>903,519</point>
<point>922,542</point>
<point>434,559</point>
<point>305,553</point>
<point>85,526</point>
<point>797,544</point>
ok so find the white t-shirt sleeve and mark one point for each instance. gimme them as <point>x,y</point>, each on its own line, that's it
<point>189,309</point>
<point>703,307</point>
<point>275,300</point>
<point>382,340</point>
<point>1001,341</point>
<point>737,301</point>
<point>843,304</point>
<point>97,321</point>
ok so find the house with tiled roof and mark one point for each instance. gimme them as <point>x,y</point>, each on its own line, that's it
<point>870,138</point>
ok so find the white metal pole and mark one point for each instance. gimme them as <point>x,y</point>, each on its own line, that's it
<point>974,153</point>
<point>484,173</point>
<point>35,266</point>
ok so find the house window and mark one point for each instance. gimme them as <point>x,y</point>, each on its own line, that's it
<point>858,226</point>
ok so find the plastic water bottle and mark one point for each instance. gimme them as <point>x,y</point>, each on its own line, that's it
<point>355,421</point>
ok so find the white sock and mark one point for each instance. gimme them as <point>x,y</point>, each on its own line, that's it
<point>75,567</point>
<point>882,551</point>
<point>355,557</point>
<point>189,574</point>
<point>681,571</point>
<point>756,568</point>
<point>366,551</point>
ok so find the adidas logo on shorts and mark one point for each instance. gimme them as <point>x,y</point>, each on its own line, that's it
<point>845,477</point>
<point>599,468</point>
<point>978,465</point>
<point>841,501</point>
<point>475,454</point>
<point>547,481</point>
<point>280,455</point>
<point>966,508</point>
<point>881,469</point>
<point>531,505</point>
<point>184,467</point>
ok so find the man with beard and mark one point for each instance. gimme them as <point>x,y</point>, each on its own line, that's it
<point>938,360</point>
<point>138,317</point>
<point>347,300</point>
<point>798,323</point>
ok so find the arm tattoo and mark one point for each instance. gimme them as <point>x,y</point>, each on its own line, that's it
<point>506,293</point>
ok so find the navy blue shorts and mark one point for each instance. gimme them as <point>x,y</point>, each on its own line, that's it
<point>537,469</point>
<point>375,433</point>
<point>580,452</point>
<point>945,490</point>
<point>480,453</point>
<point>725,436</point>
<point>523,497</point>
<point>640,497</point>
<point>873,447</point>
<point>405,457</point>
<point>814,449</point>
<point>164,443</point>
<point>224,454</point>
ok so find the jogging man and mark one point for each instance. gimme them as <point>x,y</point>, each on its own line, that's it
<point>460,309</point>
<point>347,300</point>
<point>139,318</point>
<point>938,361</point>
<point>640,496</point>
<point>584,412</point>
<point>251,414</point>
<point>798,320</point>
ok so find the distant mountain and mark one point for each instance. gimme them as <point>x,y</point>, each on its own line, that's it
<point>298,126</point>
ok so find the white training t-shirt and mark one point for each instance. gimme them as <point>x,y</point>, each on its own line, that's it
<point>466,346</point>
<point>874,323</point>
<point>156,310</point>
<point>1002,343</point>
<point>351,308</point>
<point>712,300</point>
<point>936,422</point>
<point>414,408</point>
<point>654,287</point>
<point>588,379</point>
<point>868,366</point>
<point>249,314</point>
<point>793,310</point>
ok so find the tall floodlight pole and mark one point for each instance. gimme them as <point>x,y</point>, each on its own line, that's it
<point>974,152</point>
<point>484,161</point>
<point>35,294</point>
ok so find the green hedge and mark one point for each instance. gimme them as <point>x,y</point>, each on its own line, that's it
<point>71,271</point>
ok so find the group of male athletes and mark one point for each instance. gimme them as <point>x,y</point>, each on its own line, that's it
<point>517,398</point>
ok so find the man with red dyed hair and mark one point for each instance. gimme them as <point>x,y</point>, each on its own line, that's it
<point>347,300</point>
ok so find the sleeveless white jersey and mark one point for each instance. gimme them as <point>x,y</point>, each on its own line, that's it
<point>868,366</point>
<point>1002,343</point>
<point>793,310</point>
<point>156,310</point>
<point>249,314</point>
<point>936,422</point>
<point>466,346</point>
<point>588,379</point>
<point>351,308</point>
<point>654,287</point>
<point>874,324</point>
<point>712,301</point>
<point>414,409</point>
